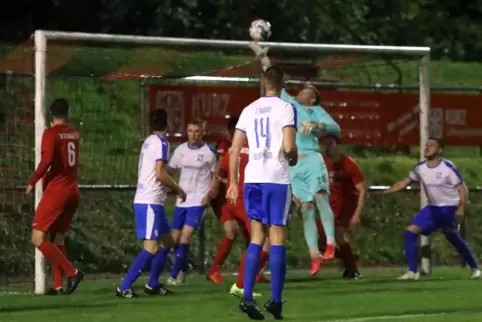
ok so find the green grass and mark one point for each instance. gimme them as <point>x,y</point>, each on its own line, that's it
<point>448,295</point>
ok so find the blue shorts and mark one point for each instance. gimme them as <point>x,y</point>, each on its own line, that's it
<point>309,176</point>
<point>431,218</point>
<point>189,216</point>
<point>151,221</point>
<point>268,203</point>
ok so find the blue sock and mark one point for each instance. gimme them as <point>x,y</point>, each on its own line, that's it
<point>277,265</point>
<point>462,248</point>
<point>411,250</point>
<point>253,254</point>
<point>140,263</point>
<point>181,258</point>
<point>157,266</point>
<point>185,265</point>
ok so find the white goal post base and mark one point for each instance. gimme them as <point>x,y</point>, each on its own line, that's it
<point>42,38</point>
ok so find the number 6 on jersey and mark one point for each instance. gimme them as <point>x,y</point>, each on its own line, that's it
<point>72,156</point>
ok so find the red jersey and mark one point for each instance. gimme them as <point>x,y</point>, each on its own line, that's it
<point>243,161</point>
<point>344,174</point>
<point>60,153</point>
<point>223,146</point>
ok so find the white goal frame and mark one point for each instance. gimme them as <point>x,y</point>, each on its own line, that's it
<point>42,38</point>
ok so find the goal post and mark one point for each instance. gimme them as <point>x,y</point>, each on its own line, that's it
<point>42,39</point>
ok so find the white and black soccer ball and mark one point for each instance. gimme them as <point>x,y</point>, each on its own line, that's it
<point>260,30</point>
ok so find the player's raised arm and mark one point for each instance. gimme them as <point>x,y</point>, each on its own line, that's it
<point>162,169</point>
<point>289,134</point>
<point>47,155</point>
<point>400,185</point>
<point>326,124</point>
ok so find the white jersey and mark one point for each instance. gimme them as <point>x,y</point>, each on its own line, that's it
<point>440,182</point>
<point>150,190</point>
<point>196,171</point>
<point>263,122</point>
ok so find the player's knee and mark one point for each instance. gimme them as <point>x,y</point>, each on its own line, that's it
<point>414,229</point>
<point>37,237</point>
<point>340,238</point>
<point>151,246</point>
<point>276,235</point>
<point>186,235</point>
<point>230,229</point>
<point>257,233</point>
<point>306,205</point>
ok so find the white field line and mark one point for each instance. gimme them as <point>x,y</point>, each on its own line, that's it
<point>390,317</point>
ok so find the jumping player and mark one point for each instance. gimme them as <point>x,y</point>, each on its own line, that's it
<point>54,213</point>
<point>196,162</point>
<point>310,186</point>
<point>446,194</point>
<point>152,224</point>
<point>269,126</point>
<point>229,216</point>
<point>347,198</point>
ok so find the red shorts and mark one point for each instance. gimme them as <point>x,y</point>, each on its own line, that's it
<point>56,210</point>
<point>343,213</point>
<point>237,213</point>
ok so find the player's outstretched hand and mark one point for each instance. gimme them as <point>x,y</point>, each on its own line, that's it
<point>257,49</point>
<point>232,194</point>
<point>459,215</point>
<point>307,127</point>
<point>29,189</point>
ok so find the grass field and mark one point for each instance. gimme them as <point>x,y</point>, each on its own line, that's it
<point>448,295</point>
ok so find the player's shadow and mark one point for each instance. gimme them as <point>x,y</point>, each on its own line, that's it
<point>56,306</point>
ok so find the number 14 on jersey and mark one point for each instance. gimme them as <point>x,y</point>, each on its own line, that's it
<point>262,132</point>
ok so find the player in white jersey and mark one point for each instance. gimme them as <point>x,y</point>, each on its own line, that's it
<point>446,195</point>
<point>269,125</point>
<point>196,162</point>
<point>152,224</point>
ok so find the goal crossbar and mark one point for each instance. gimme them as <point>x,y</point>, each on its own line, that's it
<point>41,38</point>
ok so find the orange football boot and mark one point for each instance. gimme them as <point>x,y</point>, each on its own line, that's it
<point>329,252</point>
<point>315,265</point>
<point>215,277</point>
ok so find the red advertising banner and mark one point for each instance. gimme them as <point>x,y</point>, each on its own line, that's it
<point>364,117</point>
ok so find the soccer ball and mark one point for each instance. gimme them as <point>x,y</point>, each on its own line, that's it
<point>260,30</point>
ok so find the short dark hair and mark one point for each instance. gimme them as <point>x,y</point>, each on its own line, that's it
<point>59,108</point>
<point>316,92</point>
<point>232,121</point>
<point>158,120</point>
<point>439,141</point>
<point>274,76</point>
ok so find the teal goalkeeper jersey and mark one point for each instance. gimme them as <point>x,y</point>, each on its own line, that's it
<point>309,143</point>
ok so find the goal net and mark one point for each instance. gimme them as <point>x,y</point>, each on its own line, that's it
<point>113,81</point>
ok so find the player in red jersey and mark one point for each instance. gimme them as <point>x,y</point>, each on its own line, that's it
<point>347,198</point>
<point>54,213</point>
<point>229,223</point>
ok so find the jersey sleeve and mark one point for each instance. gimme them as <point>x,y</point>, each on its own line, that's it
<point>242,122</point>
<point>413,175</point>
<point>214,159</point>
<point>47,156</point>
<point>175,161</point>
<point>331,127</point>
<point>290,118</point>
<point>222,147</point>
<point>161,151</point>
<point>353,169</point>
<point>454,174</point>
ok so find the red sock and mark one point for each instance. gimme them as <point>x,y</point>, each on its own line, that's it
<point>222,253</point>
<point>55,256</point>
<point>262,260</point>
<point>240,278</point>
<point>57,272</point>
<point>349,258</point>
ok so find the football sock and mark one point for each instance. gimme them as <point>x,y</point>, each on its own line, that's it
<point>411,250</point>
<point>157,266</point>
<point>57,272</point>
<point>54,255</point>
<point>277,265</point>
<point>251,270</point>
<point>141,262</point>
<point>222,253</point>
<point>462,248</point>
<point>310,230</point>
<point>348,257</point>
<point>327,217</point>
<point>181,259</point>
<point>242,264</point>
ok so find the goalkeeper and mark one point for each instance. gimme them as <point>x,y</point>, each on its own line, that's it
<point>309,184</point>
